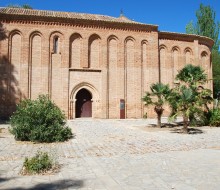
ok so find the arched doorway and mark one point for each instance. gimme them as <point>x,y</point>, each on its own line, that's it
<point>83,106</point>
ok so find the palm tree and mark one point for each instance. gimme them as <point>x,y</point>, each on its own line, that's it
<point>189,98</point>
<point>192,76</point>
<point>184,101</point>
<point>157,97</point>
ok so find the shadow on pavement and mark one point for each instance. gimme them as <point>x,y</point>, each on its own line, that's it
<point>168,125</point>
<point>191,131</point>
<point>60,184</point>
<point>177,128</point>
<point>5,179</point>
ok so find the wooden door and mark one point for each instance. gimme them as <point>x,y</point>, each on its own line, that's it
<point>83,104</point>
<point>86,109</point>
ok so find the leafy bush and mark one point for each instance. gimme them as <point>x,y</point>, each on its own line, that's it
<point>39,121</point>
<point>189,98</point>
<point>215,117</point>
<point>200,118</point>
<point>40,163</point>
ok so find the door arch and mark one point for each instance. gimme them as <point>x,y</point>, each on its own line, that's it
<point>96,111</point>
<point>83,105</point>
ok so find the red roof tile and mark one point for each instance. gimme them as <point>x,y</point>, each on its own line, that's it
<point>71,15</point>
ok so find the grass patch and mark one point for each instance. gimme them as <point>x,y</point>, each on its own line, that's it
<point>41,163</point>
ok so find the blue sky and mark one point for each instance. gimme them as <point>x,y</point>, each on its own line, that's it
<point>170,15</point>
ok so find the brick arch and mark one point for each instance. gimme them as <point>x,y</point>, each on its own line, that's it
<point>162,46</point>
<point>205,63</point>
<point>176,62</point>
<point>51,40</point>
<point>144,49</point>
<point>55,65</point>
<point>95,98</point>
<point>112,77</point>
<point>162,63</point>
<point>176,48</point>
<point>204,53</point>
<point>15,59</point>
<point>130,78</point>
<point>75,49</point>
<point>10,36</point>
<point>87,86</point>
<point>146,73</point>
<point>188,53</point>
<point>10,41</point>
<point>188,49</point>
<point>35,32</point>
<point>83,105</point>
<point>75,35</point>
<point>94,36</point>
<point>112,36</point>
<point>35,65</point>
<point>56,32</point>
<point>204,56</point>
<point>15,31</point>
<point>35,85</point>
<point>144,42</point>
<point>129,38</point>
<point>32,35</point>
<point>94,51</point>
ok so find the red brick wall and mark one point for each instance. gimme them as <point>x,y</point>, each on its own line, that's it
<point>112,64</point>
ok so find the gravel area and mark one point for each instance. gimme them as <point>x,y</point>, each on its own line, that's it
<point>119,154</point>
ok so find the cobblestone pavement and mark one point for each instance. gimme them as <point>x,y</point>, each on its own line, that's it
<point>119,154</point>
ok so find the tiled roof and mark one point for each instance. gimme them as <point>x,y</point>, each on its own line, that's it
<point>184,34</point>
<point>68,15</point>
<point>186,37</point>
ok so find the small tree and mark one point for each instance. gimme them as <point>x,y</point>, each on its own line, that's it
<point>157,97</point>
<point>189,98</point>
<point>39,120</point>
<point>206,24</point>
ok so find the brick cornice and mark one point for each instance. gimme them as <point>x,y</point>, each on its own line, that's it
<point>186,37</point>
<point>41,20</point>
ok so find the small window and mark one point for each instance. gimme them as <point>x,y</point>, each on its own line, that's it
<point>55,45</point>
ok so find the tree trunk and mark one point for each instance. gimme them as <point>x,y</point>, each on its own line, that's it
<point>159,120</point>
<point>185,124</point>
<point>159,111</point>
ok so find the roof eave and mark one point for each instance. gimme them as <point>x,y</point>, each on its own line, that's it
<point>186,37</point>
<point>52,18</point>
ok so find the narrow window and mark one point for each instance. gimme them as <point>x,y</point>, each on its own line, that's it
<point>55,45</point>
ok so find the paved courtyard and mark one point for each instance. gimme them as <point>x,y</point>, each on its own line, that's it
<point>119,154</point>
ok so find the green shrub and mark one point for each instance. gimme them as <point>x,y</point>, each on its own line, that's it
<point>39,121</point>
<point>200,119</point>
<point>40,163</point>
<point>215,117</point>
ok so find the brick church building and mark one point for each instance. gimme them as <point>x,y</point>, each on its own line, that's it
<point>90,65</point>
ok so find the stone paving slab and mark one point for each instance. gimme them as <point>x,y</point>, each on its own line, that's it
<point>118,154</point>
